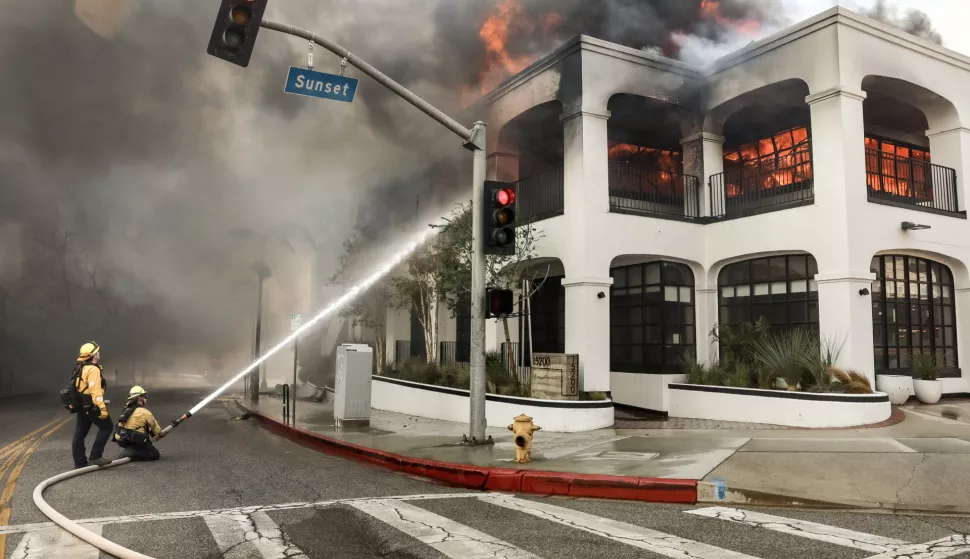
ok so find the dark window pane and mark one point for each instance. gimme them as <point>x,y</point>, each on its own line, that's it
<point>652,334</point>
<point>636,354</point>
<point>813,312</point>
<point>879,354</point>
<point>619,335</point>
<point>778,268</point>
<point>672,358</point>
<point>634,276</point>
<point>812,266</point>
<point>619,277</point>
<point>760,271</point>
<point>798,313</point>
<point>797,267</point>
<point>654,356</point>
<point>651,314</point>
<point>688,317</point>
<point>652,276</point>
<point>726,315</point>
<point>635,315</point>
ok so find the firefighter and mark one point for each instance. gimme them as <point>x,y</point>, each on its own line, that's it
<point>90,385</point>
<point>136,428</point>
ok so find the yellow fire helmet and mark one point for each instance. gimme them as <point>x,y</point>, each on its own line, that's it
<point>136,391</point>
<point>88,351</point>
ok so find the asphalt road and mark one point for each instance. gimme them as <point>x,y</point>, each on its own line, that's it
<point>225,488</point>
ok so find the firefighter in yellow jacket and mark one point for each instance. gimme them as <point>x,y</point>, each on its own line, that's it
<point>90,385</point>
<point>136,428</point>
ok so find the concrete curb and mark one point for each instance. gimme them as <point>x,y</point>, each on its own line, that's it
<point>718,493</point>
<point>680,491</point>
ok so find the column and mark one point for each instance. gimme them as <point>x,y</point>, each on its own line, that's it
<point>950,147</point>
<point>962,304</point>
<point>502,166</point>
<point>586,167</point>
<point>839,171</point>
<point>845,318</point>
<point>704,157</point>
<point>588,329</point>
<point>705,307</point>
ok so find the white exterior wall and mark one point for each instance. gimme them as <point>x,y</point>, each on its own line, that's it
<point>831,54</point>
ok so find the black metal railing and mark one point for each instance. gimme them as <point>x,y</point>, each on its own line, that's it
<point>540,196</point>
<point>751,190</point>
<point>649,190</point>
<point>450,353</point>
<point>913,182</point>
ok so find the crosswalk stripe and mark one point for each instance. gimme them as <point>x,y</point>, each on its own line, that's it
<point>155,517</point>
<point>803,528</point>
<point>660,543</point>
<point>55,543</point>
<point>937,549</point>
<point>446,536</point>
<point>242,536</point>
<point>886,548</point>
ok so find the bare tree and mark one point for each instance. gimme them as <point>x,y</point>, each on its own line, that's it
<point>418,287</point>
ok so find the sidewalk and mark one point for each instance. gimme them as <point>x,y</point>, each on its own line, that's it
<point>920,463</point>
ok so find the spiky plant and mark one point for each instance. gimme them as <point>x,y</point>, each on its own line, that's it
<point>850,382</point>
<point>786,353</point>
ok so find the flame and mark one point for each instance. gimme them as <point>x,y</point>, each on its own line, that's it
<point>711,9</point>
<point>506,21</point>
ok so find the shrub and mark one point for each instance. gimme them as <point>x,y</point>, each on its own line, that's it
<point>926,366</point>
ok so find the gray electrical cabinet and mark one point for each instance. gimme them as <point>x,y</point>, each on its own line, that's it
<point>351,404</point>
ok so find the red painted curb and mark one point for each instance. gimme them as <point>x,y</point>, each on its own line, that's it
<point>681,491</point>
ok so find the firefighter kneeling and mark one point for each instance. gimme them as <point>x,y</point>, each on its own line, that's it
<point>137,427</point>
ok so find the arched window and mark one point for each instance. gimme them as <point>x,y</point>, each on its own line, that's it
<point>913,311</point>
<point>780,288</point>
<point>651,317</point>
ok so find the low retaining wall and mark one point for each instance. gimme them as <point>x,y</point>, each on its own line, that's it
<point>451,404</point>
<point>777,407</point>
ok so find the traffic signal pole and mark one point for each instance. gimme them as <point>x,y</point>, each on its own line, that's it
<point>473,140</point>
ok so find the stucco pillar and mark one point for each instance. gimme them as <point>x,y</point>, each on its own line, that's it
<point>588,329</point>
<point>961,298</point>
<point>839,172</point>
<point>705,320</point>
<point>950,147</point>
<point>845,318</point>
<point>586,179</point>
<point>502,166</point>
<point>703,157</point>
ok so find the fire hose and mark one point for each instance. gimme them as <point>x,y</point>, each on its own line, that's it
<point>125,553</point>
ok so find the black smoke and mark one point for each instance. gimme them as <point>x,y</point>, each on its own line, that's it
<point>140,178</point>
<point>913,21</point>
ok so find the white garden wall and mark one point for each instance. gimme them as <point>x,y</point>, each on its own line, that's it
<point>777,407</point>
<point>451,404</point>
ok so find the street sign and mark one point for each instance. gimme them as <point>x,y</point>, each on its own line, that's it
<point>311,83</point>
<point>296,320</point>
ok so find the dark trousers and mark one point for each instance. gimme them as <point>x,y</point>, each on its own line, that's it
<point>141,452</point>
<point>81,428</point>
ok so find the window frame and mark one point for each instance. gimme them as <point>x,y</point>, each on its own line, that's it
<point>880,302</point>
<point>752,284</point>
<point>661,325</point>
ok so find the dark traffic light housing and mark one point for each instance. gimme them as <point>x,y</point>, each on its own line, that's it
<point>234,33</point>
<point>499,205</point>
<point>498,302</point>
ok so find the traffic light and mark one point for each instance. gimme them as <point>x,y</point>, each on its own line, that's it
<point>498,302</point>
<point>499,207</point>
<point>234,33</point>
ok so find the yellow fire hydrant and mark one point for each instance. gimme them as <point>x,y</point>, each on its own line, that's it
<point>523,428</point>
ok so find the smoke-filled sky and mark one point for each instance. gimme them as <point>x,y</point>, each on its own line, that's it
<point>130,165</point>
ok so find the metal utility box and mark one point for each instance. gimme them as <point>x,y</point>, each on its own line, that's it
<point>555,376</point>
<point>351,404</point>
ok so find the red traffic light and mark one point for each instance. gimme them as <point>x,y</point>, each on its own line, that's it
<point>505,197</point>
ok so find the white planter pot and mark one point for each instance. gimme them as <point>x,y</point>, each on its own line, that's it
<point>928,391</point>
<point>899,387</point>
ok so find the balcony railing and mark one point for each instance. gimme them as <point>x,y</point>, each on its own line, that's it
<point>651,191</point>
<point>911,182</point>
<point>786,182</point>
<point>540,196</point>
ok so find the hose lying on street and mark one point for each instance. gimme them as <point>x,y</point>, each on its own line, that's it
<point>97,541</point>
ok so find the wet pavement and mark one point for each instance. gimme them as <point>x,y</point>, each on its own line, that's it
<point>916,462</point>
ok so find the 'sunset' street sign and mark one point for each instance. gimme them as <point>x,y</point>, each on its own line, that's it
<point>311,83</point>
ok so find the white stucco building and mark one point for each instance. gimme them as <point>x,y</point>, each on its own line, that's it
<point>773,182</point>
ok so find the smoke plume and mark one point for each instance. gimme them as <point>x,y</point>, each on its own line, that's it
<point>142,178</point>
<point>915,22</point>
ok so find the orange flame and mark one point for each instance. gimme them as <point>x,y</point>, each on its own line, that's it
<point>508,19</point>
<point>711,9</point>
